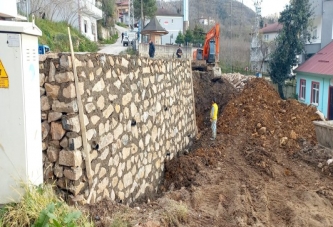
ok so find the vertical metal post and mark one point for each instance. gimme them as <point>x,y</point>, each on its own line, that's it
<point>27,9</point>
<point>129,13</point>
<point>142,25</point>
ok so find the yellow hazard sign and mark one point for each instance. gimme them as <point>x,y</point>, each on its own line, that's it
<point>4,82</point>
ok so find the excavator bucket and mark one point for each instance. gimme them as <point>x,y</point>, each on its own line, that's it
<point>217,72</point>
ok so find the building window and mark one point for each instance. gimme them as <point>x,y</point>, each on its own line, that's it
<point>266,37</point>
<point>85,26</point>
<point>302,88</point>
<point>171,20</point>
<point>315,93</point>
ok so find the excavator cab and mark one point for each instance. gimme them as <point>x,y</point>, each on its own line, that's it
<point>211,53</point>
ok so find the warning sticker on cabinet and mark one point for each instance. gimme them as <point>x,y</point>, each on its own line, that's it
<point>4,82</point>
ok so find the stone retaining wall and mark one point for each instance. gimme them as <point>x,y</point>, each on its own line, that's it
<point>137,111</point>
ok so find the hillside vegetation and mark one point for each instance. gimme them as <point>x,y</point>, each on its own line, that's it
<point>55,35</point>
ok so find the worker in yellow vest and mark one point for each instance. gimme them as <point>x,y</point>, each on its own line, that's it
<point>213,118</point>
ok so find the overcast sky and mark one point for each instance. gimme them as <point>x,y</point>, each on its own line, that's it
<point>268,7</point>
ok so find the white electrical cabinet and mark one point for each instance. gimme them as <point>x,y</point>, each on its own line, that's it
<point>20,111</point>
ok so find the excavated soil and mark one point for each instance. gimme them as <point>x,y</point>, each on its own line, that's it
<point>264,169</point>
<point>206,88</point>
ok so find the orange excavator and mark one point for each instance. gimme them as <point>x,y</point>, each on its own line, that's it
<point>207,58</point>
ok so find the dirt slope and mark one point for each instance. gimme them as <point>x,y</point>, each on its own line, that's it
<point>249,176</point>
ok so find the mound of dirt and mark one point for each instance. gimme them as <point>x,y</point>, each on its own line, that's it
<point>205,89</point>
<point>266,119</point>
<point>181,172</point>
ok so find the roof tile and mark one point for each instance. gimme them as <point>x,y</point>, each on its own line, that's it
<point>271,28</point>
<point>320,63</point>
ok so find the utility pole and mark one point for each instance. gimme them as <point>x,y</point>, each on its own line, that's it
<point>131,14</point>
<point>142,25</point>
<point>256,55</point>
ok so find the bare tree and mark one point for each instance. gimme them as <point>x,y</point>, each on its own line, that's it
<point>266,48</point>
<point>59,10</point>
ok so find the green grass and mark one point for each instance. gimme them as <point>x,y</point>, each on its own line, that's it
<point>41,205</point>
<point>55,35</point>
<point>112,40</point>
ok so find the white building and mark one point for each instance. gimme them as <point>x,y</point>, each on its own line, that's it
<point>322,28</point>
<point>206,21</point>
<point>262,46</point>
<point>171,21</point>
<point>88,15</point>
<point>81,14</point>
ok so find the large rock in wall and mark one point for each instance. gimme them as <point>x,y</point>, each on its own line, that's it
<point>137,111</point>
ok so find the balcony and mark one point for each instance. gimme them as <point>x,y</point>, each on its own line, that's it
<point>88,8</point>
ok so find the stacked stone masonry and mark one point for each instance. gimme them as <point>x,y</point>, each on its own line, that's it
<point>138,112</point>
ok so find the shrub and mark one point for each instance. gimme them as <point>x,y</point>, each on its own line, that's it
<point>40,207</point>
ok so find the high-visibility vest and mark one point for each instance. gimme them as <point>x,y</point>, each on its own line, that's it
<point>213,114</point>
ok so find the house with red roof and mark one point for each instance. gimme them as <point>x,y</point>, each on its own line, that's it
<point>270,31</point>
<point>315,81</point>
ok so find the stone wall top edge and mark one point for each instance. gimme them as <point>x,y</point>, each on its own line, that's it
<point>52,55</point>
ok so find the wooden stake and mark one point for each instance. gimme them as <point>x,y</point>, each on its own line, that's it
<point>193,103</point>
<point>81,116</point>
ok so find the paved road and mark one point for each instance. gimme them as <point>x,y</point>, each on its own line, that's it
<point>117,47</point>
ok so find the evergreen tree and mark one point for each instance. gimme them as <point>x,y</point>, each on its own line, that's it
<point>198,35</point>
<point>149,9</point>
<point>180,38</point>
<point>295,19</point>
<point>188,37</point>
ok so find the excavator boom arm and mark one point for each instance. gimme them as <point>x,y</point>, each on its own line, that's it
<point>213,33</point>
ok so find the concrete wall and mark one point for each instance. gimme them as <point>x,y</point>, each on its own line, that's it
<point>324,133</point>
<point>289,90</point>
<point>138,112</point>
<point>165,51</point>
